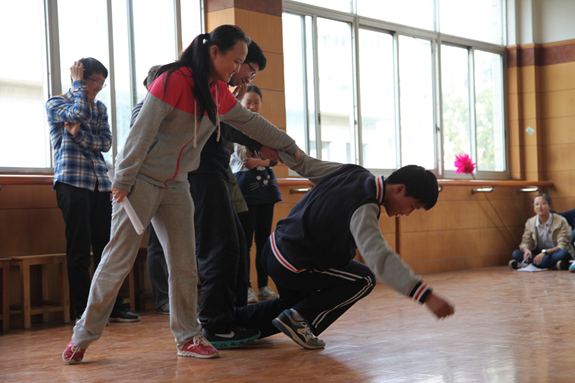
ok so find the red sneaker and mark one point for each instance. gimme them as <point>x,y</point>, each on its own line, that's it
<point>199,347</point>
<point>73,354</point>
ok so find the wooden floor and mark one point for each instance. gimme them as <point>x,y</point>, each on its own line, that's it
<point>508,327</point>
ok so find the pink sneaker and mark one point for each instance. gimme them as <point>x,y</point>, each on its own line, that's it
<point>199,347</point>
<point>73,354</point>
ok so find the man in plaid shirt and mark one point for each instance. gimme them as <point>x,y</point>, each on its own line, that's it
<point>79,133</point>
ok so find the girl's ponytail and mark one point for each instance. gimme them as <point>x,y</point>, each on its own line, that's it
<point>197,57</point>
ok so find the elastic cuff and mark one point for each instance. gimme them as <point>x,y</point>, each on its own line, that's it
<point>420,292</point>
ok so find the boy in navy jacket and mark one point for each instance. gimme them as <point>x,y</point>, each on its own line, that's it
<point>310,254</point>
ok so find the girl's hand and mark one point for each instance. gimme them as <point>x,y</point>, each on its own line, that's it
<point>77,71</point>
<point>251,163</point>
<point>118,194</point>
<point>537,260</point>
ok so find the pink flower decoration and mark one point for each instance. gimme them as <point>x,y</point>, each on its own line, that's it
<point>464,165</point>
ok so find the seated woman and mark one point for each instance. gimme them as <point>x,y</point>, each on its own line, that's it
<point>570,217</point>
<point>545,242</point>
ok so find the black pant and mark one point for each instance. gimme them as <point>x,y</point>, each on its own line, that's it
<point>319,296</point>
<point>258,220</point>
<point>157,269</point>
<point>87,215</point>
<point>221,252</point>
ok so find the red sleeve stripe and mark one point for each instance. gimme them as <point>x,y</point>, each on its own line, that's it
<point>419,292</point>
<point>379,188</point>
<point>280,258</point>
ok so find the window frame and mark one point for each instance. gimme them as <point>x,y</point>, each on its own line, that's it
<point>51,65</point>
<point>437,39</point>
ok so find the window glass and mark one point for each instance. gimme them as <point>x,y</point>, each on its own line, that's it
<point>76,42</point>
<point>416,102</point>
<point>294,78</point>
<point>191,21</point>
<point>485,24</point>
<point>335,90</point>
<point>25,136</point>
<point>415,13</point>
<point>489,111</point>
<point>455,93</point>
<point>153,46</point>
<point>377,100</point>
<point>311,91</point>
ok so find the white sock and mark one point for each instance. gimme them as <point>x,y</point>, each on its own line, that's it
<point>295,315</point>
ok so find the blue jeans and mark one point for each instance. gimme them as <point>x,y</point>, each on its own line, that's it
<point>548,262</point>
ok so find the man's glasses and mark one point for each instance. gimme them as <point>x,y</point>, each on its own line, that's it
<point>102,84</point>
<point>253,72</point>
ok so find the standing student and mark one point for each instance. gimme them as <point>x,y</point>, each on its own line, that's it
<point>180,112</point>
<point>80,133</point>
<point>221,248</point>
<point>259,187</point>
<point>310,254</point>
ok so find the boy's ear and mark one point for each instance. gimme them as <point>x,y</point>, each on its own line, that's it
<point>399,188</point>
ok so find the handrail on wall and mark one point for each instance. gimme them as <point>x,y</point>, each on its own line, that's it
<point>524,187</point>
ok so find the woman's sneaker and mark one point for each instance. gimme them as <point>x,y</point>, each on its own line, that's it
<point>572,268</point>
<point>299,331</point>
<point>73,354</point>
<point>199,347</point>
<point>265,293</point>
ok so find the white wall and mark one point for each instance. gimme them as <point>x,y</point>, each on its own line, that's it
<point>540,21</point>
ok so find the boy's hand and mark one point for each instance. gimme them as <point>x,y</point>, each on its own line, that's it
<point>268,153</point>
<point>72,127</point>
<point>118,194</point>
<point>240,91</point>
<point>440,307</point>
<point>527,254</point>
<point>77,71</point>
<point>537,260</point>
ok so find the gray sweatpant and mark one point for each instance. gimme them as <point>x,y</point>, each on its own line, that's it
<point>171,211</point>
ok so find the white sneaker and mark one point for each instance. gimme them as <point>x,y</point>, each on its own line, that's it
<point>266,292</point>
<point>252,298</point>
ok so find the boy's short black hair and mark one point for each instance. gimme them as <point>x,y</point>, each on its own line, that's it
<point>91,66</point>
<point>419,183</point>
<point>256,55</point>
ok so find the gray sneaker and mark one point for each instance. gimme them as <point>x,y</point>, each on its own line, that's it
<point>252,298</point>
<point>265,293</point>
<point>299,332</point>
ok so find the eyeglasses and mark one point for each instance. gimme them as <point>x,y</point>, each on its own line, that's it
<point>102,84</point>
<point>540,204</point>
<point>253,72</point>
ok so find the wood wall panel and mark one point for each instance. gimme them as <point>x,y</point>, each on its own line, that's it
<point>557,77</point>
<point>272,77</point>
<point>220,17</point>
<point>559,130</point>
<point>445,265</point>
<point>559,157</point>
<point>273,108</point>
<point>31,231</point>
<point>513,106</point>
<point>558,103</point>
<point>27,196</point>
<point>564,182</point>
<point>453,244</point>
<point>266,30</point>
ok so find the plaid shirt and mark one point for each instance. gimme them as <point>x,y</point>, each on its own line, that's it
<point>78,159</point>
